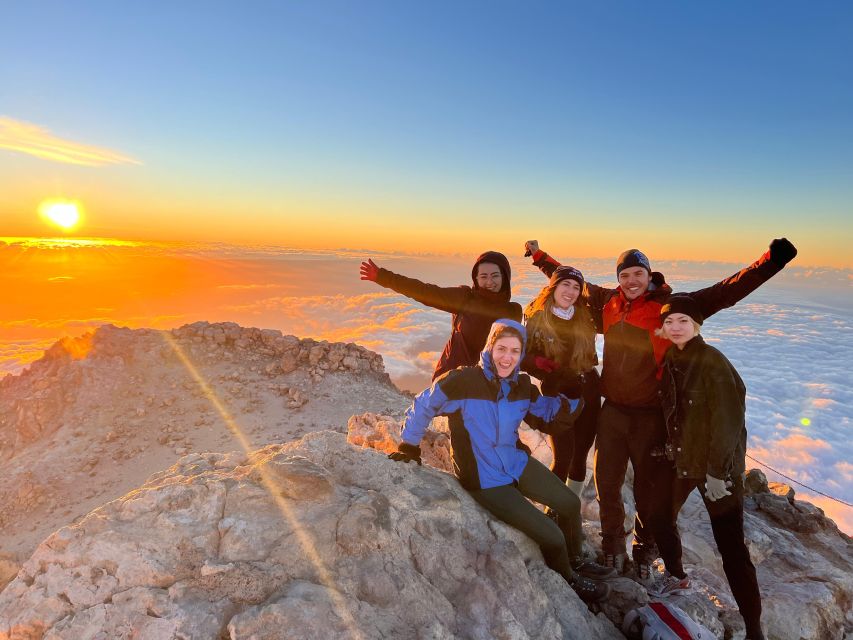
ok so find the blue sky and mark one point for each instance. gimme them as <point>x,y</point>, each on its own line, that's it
<point>578,115</point>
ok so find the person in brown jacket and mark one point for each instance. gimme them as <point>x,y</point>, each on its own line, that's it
<point>474,308</point>
<point>704,404</point>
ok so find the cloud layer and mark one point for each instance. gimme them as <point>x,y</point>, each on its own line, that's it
<point>791,341</point>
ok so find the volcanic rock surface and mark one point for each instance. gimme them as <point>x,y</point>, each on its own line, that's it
<point>98,414</point>
<point>260,519</point>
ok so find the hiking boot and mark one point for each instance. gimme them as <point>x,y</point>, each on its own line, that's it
<point>590,591</point>
<point>645,574</point>
<point>593,570</point>
<point>671,585</point>
<point>615,561</point>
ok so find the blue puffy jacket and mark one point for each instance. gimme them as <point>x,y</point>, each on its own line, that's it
<point>484,413</point>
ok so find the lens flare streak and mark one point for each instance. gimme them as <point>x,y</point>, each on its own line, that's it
<point>269,484</point>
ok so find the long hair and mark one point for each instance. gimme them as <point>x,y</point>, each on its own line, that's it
<point>575,350</point>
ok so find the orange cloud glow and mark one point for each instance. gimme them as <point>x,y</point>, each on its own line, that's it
<point>24,137</point>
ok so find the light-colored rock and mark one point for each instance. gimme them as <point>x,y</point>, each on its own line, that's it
<point>313,539</point>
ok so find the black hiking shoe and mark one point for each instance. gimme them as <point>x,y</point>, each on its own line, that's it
<point>590,591</point>
<point>593,570</point>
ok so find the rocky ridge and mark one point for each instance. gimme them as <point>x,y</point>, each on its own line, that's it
<point>98,414</point>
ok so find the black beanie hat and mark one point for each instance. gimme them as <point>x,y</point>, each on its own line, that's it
<point>682,303</point>
<point>566,272</point>
<point>632,258</point>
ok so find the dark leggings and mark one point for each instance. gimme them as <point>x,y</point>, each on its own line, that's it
<point>727,525</point>
<point>571,447</point>
<point>559,541</point>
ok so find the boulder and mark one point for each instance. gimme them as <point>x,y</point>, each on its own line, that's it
<point>311,539</point>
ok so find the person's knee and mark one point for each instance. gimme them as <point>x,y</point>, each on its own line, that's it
<point>569,505</point>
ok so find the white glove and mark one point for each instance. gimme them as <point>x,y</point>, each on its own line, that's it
<point>531,247</point>
<point>716,488</point>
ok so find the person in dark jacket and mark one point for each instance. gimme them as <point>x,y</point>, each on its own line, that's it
<point>704,403</point>
<point>474,308</point>
<point>631,425</point>
<point>561,354</point>
<point>485,405</point>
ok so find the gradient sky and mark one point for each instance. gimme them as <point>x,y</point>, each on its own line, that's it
<point>440,126</point>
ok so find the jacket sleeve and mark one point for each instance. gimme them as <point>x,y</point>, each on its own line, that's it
<point>598,296</point>
<point>426,406</point>
<point>736,287</point>
<point>545,263</point>
<point>550,414</point>
<point>726,416</point>
<point>450,299</point>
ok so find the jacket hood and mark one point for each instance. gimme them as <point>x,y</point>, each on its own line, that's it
<point>499,259</point>
<point>486,362</point>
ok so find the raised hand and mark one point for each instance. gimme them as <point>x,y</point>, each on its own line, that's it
<point>369,270</point>
<point>530,247</point>
<point>782,251</point>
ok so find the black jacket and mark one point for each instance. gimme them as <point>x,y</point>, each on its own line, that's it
<point>704,402</point>
<point>474,310</point>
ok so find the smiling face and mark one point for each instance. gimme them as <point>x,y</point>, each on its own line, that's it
<point>489,277</point>
<point>679,328</point>
<point>565,293</point>
<point>634,282</point>
<point>506,352</point>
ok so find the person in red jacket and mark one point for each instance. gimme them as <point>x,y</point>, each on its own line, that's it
<point>474,308</point>
<point>631,424</point>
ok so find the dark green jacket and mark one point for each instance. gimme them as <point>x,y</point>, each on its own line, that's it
<point>704,401</point>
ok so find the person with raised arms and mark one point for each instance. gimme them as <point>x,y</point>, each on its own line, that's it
<point>631,424</point>
<point>474,308</point>
<point>485,405</point>
<point>561,354</point>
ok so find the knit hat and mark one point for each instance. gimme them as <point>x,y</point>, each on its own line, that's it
<point>632,258</point>
<point>566,272</point>
<point>682,303</point>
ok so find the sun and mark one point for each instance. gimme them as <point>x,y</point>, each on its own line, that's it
<point>64,214</point>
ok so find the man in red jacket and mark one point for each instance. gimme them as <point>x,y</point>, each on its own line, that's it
<point>474,308</point>
<point>631,424</point>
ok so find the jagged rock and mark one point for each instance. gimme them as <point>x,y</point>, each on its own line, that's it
<point>383,434</point>
<point>312,539</point>
<point>755,482</point>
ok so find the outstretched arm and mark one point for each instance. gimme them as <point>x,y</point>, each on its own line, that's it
<point>450,299</point>
<point>426,406</point>
<point>552,414</point>
<point>548,265</point>
<point>736,287</point>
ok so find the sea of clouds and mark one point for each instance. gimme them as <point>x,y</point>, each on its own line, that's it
<point>791,341</point>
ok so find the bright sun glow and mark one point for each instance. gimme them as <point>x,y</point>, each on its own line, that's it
<point>61,213</point>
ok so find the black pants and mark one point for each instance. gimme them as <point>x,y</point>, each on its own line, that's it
<point>627,433</point>
<point>560,542</point>
<point>572,446</point>
<point>727,524</point>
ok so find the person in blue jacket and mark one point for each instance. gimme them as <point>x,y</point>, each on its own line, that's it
<point>485,405</point>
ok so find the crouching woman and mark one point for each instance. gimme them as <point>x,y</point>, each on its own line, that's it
<point>485,405</point>
<point>704,402</point>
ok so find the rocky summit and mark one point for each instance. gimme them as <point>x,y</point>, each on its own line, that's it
<point>271,511</point>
